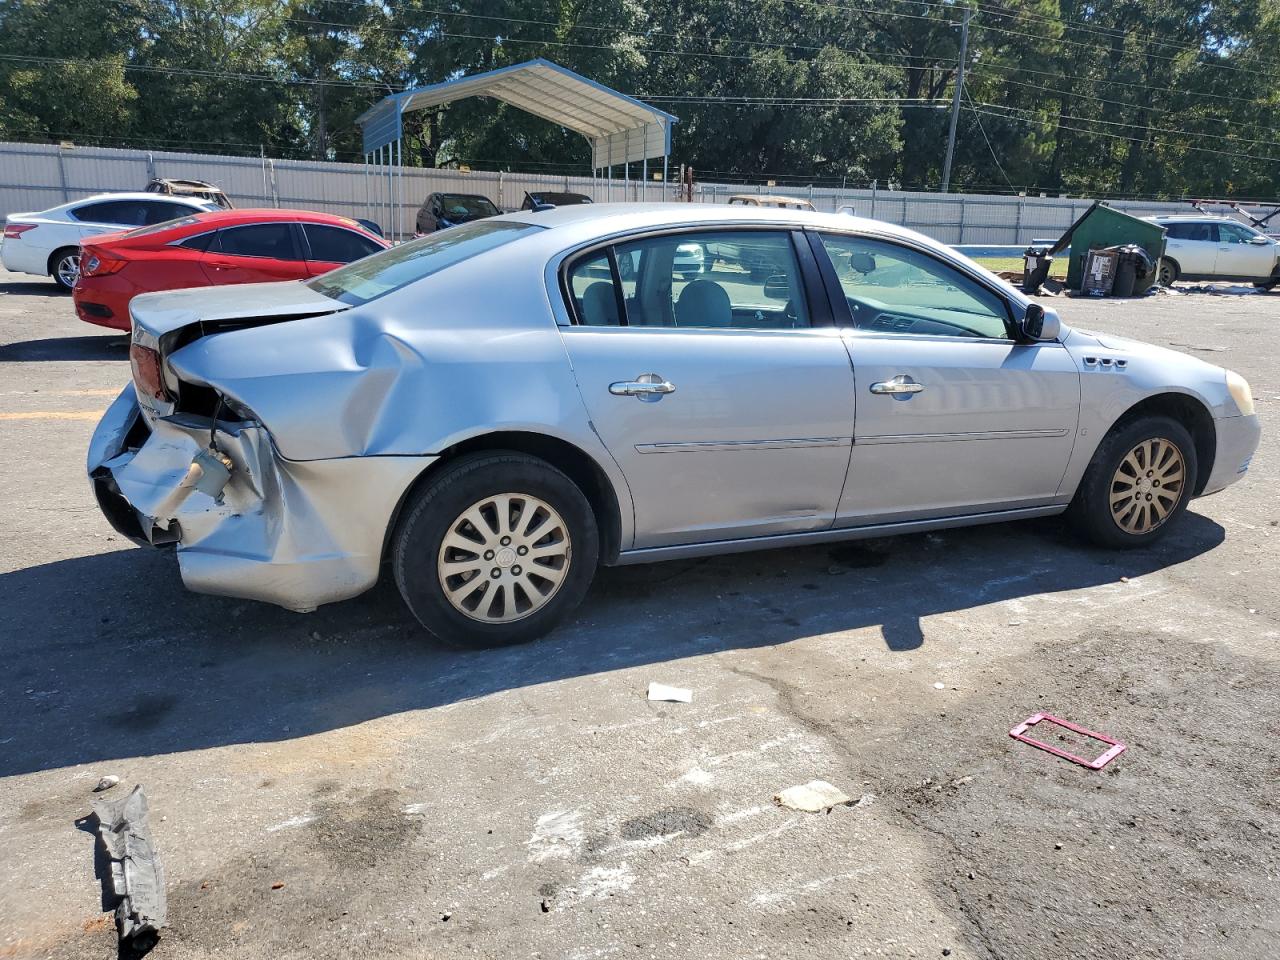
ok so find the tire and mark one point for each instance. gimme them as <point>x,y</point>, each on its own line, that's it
<point>1135,522</point>
<point>471,485</point>
<point>1266,285</point>
<point>64,267</point>
<point>1167,273</point>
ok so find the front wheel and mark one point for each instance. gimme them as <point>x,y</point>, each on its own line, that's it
<point>1168,272</point>
<point>1139,482</point>
<point>496,550</point>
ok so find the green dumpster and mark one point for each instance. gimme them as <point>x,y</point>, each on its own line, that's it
<point>1103,226</point>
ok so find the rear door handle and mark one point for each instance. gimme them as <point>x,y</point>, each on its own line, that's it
<point>647,386</point>
<point>898,386</point>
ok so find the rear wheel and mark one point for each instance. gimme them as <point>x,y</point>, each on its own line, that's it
<point>64,267</point>
<point>1139,482</point>
<point>496,550</point>
<point>1168,273</point>
<point>1266,285</point>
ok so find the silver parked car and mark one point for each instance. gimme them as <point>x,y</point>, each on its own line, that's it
<point>496,409</point>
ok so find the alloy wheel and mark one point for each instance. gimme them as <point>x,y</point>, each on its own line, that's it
<point>68,269</point>
<point>504,558</point>
<point>1147,485</point>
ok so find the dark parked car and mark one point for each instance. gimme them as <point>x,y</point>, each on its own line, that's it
<point>442,210</point>
<point>543,200</point>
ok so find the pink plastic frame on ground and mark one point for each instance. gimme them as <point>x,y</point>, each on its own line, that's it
<point>1020,733</point>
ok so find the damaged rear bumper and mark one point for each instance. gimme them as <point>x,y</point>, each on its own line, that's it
<point>293,533</point>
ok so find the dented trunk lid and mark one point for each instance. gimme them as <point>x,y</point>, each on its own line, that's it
<point>156,315</point>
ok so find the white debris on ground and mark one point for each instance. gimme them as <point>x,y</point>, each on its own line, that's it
<point>660,691</point>
<point>812,797</point>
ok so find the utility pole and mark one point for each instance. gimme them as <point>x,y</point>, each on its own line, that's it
<point>955,100</point>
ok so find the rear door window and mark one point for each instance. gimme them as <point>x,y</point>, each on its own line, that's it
<point>162,211</point>
<point>735,279</point>
<point>336,244</point>
<point>126,213</point>
<point>274,240</point>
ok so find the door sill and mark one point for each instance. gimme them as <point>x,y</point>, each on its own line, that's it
<point>717,547</point>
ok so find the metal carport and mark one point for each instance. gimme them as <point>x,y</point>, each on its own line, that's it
<point>620,129</point>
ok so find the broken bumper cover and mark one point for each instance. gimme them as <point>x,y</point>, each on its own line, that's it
<point>293,533</point>
<point>1237,440</point>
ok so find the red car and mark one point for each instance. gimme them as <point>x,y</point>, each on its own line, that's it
<point>230,246</point>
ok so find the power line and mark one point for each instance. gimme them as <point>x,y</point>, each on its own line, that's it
<point>986,138</point>
<point>1117,136</point>
<point>1147,127</point>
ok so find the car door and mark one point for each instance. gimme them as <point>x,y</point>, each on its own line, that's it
<point>1193,246</point>
<point>254,253</point>
<point>329,247</point>
<point>726,402</point>
<point>1243,253</point>
<point>954,416</point>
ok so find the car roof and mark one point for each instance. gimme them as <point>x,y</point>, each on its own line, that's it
<point>1192,218</point>
<point>569,226</point>
<point>247,215</point>
<point>139,195</point>
<point>608,217</point>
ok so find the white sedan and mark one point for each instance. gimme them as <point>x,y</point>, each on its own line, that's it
<point>48,243</point>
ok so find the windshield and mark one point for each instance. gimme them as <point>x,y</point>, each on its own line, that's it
<point>380,274</point>
<point>461,205</point>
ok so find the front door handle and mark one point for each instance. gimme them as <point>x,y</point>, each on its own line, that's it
<point>898,386</point>
<point>647,386</point>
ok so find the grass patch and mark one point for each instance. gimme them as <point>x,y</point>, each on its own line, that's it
<point>999,264</point>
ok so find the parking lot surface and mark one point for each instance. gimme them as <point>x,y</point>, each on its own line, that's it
<point>337,785</point>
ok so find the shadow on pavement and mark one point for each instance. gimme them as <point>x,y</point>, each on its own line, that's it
<point>108,656</point>
<point>101,347</point>
<point>33,288</point>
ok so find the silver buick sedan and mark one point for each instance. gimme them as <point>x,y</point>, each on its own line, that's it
<point>496,409</point>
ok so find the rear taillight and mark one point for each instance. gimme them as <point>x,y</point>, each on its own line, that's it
<point>146,371</point>
<point>93,264</point>
<point>12,231</point>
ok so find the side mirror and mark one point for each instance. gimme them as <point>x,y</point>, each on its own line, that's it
<point>539,206</point>
<point>778,287</point>
<point>1040,324</point>
<point>1259,240</point>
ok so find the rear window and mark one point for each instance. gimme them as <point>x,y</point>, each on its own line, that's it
<point>376,276</point>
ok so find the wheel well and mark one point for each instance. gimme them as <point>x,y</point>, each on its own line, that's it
<point>564,456</point>
<point>53,258</point>
<point>1189,412</point>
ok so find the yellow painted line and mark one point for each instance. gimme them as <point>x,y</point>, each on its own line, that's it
<point>54,415</point>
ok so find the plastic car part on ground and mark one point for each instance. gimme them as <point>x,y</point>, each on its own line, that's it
<point>1020,733</point>
<point>136,874</point>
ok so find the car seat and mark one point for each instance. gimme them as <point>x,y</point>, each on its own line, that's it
<point>599,305</point>
<point>704,303</point>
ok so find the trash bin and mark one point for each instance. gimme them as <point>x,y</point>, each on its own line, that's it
<point>1036,263</point>
<point>1135,271</point>
<point>1099,272</point>
<point>1101,227</point>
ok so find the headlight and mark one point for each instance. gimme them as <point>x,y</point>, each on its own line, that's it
<point>1238,387</point>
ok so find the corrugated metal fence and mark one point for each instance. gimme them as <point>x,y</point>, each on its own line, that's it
<point>39,176</point>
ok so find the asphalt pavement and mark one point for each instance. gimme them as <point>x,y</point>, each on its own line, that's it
<point>337,785</point>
